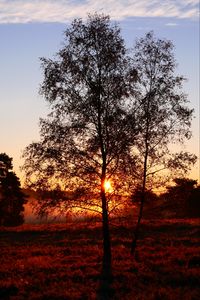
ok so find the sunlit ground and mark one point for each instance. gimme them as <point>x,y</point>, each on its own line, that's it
<point>64,261</point>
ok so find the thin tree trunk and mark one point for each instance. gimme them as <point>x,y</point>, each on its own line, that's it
<point>143,195</point>
<point>137,229</point>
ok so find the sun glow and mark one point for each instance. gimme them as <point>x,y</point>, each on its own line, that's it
<point>108,186</point>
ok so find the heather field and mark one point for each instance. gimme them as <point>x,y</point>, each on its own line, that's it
<point>64,261</point>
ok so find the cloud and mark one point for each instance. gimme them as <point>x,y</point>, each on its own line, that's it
<point>25,11</point>
<point>171,24</point>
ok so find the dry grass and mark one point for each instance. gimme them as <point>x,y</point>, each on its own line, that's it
<point>64,262</point>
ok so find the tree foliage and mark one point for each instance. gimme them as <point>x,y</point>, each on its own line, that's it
<point>12,199</point>
<point>87,87</point>
<point>164,116</point>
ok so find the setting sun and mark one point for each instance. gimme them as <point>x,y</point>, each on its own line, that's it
<point>108,186</point>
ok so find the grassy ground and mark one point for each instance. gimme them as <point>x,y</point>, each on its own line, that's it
<point>64,261</point>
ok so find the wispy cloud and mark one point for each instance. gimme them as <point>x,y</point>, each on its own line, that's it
<point>24,11</point>
<point>171,24</point>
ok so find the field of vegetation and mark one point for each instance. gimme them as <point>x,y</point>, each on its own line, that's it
<point>64,261</point>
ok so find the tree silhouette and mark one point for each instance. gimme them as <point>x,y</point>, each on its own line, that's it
<point>193,204</point>
<point>88,129</point>
<point>183,197</point>
<point>12,198</point>
<point>163,113</point>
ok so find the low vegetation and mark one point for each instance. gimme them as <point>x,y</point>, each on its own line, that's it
<point>64,261</point>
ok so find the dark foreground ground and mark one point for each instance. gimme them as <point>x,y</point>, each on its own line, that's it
<point>64,262</point>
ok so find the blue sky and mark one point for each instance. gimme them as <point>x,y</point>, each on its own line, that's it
<point>33,29</point>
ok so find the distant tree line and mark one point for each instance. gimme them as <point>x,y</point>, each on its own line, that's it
<point>184,198</point>
<point>180,200</point>
<point>12,199</point>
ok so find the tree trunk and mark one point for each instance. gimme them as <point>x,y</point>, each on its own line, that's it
<point>105,290</point>
<point>106,237</point>
<point>136,232</point>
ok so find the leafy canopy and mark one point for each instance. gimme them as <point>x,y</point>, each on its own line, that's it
<point>89,129</point>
